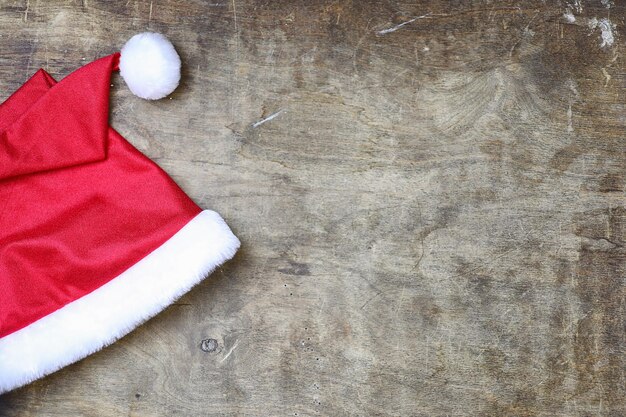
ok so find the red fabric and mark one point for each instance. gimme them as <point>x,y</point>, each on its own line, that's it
<point>78,204</point>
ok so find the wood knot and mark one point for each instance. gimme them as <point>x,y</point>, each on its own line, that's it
<point>209,345</point>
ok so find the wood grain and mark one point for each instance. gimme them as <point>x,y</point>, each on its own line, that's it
<point>433,222</point>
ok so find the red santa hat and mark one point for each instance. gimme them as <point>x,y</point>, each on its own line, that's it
<point>95,238</point>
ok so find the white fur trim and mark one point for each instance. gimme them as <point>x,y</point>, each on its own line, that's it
<point>101,317</point>
<point>150,66</point>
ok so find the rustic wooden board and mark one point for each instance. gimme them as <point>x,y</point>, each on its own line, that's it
<point>433,223</point>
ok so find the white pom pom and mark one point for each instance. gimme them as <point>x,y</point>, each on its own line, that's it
<point>150,66</point>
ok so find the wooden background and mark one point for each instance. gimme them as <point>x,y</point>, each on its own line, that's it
<point>432,209</point>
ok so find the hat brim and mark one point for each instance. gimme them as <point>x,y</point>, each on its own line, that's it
<point>99,318</point>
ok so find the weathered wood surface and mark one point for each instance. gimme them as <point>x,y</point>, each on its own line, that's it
<point>433,223</point>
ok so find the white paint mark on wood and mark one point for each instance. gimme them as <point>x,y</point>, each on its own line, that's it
<point>267,119</point>
<point>606,27</point>
<point>569,16</point>
<point>396,27</point>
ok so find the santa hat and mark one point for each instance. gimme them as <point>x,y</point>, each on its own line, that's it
<point>94,237</point>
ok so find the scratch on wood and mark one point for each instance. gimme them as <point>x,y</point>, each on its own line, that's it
<point>230,351</point>
<point>358,44</point>
<point>525,32</point>
<point>235,15</point>
<point>30,56</point>
<point>47,59</point>
<point>321,307</point>
<point>150,15</point>
<point>570,127</point>
<point>26,10</point>
<point>236,73</point>
<point>396,27</point>
<point>267,119</point>
<point>400,301</point>
<point>607,76</point>
<point>371,298</point>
